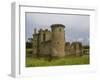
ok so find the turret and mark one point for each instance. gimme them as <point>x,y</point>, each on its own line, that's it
<point>58,40</point>
<point>35,31</point>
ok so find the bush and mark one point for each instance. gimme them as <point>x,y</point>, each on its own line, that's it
<point>28,52</point>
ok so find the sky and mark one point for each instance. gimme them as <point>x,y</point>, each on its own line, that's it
<point>76,26</point>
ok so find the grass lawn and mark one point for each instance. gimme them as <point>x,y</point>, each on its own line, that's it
<point>71,60</point>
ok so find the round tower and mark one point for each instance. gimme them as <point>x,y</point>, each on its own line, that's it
<point>58,40</point>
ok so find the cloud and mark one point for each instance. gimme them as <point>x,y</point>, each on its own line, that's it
<point>76,26</point>
<point>80,39</point>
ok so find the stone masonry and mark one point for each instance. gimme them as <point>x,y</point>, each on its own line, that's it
<point>53,43</point>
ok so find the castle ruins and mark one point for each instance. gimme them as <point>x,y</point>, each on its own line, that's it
<point>46,42</point>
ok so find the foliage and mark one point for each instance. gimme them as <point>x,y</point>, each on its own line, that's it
<point>86,47</point>
<point>28,52</point>
<point>29,43</point>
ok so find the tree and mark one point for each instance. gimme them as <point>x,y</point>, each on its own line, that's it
<point>29,43</point>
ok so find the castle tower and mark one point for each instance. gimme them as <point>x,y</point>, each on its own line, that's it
<point>58,40</point>
<point>67,48</point>
<point>41,32</point>
<point>47,35</point>
<point>35,42</point>
<point>44,38</point>
<point>35,31</point>
<point>76,48</point>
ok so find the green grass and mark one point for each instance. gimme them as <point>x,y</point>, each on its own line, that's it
<point>71,60</point>
<point>28,50</point>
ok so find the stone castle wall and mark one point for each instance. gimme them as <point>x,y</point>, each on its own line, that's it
<point>58,41</point>
<point>45,48</point>
<point>52,42</point>
<point>35,42</point>
<point>67,49</point>
<point>73,49</point>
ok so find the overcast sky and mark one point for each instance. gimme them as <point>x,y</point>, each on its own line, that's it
<point>76,26</point>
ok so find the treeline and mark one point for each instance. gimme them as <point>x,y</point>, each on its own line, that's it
<point>86,47</point>
<point>29,43</point>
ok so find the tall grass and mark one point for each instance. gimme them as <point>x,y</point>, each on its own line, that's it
<point>71,60</point>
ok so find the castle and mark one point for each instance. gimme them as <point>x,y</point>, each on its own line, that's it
<point>47,42</point>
